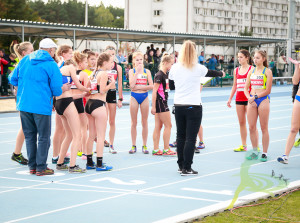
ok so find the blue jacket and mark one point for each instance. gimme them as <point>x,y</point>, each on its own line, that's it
<point>212,64</point>
<point>38,79</point>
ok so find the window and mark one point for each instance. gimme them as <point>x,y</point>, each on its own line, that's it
<point>204,11</point>
<point>226,14</point>
<point>219,27</point>
<point>197,11</point>
<point>219,13</point>
<point>157,27</point>
<point>233,14</point>
<point>265,30</point>
<point>271,18</point>
<point>212,12</point>
<point>259,29</point>
<point>157,12</point>
<point>233,28</point>
<point>265,17</point>
<point>246,15</point>
<point>259,17</point>
<point>246,2</point>
<point>253,16</point>
<point>212,26</point>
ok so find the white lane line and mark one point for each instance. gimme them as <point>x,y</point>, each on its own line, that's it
<point>223,192</point>
<point>130,193</point>
<point>66,208</point>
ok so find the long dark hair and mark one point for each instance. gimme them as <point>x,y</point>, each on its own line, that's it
<point>247,55</point>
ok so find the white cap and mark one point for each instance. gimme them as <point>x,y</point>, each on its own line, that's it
<point>47,43</point>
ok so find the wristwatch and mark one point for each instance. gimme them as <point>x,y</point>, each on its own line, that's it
<point>255,96</point>
<point>120,99</point>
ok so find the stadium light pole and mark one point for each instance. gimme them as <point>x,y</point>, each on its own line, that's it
<point>86,12</point>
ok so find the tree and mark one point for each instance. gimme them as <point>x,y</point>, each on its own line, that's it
<point>103,16</point>
<point>246,32</point>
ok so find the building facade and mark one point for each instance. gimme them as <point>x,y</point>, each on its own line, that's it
<point>265,18</point>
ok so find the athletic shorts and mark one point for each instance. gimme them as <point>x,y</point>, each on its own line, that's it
<point>79,105</point>
<point>241,102</point>
<point>111,96</point>
<point>162,106</point>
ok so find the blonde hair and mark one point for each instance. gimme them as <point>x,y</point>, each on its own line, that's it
<point>263,53</point>
<point>134,55</point>
<point>110,48</point>
<point>63,49</point>
<point>69,62</point>
<point>79,57</point>
<point>166,58</point>
<point>103,57</point>
<point>188,54</point>
<point>20,48</point>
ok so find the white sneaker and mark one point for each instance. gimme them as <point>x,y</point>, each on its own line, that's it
<point>112,149</point>
<point>283,159</point>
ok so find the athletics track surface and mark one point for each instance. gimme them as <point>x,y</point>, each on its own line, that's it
<point>143,188</point>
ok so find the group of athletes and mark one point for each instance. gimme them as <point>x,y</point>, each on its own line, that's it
<point>83,111</point>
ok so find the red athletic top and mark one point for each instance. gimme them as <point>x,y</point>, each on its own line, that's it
<point>240,85</point>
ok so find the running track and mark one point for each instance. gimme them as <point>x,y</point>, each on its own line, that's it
<point>143,188</point>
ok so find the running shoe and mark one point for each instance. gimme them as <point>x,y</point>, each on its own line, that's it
<point>103,168</point>
<point>54,160</point>
<point>174,144</point>
<point>106,144</point>
<point>169,152</point>
<point>179,170</point>
<point>297,143</point>
<point>66,160</point>
<point>62,167</point>
<point>47,171</point>
<point>189,172</point>
<point>241,149</point>
<point>112,149</point>
<point>145,150</point>
<point>83,157</point>
<point>132,150</point>
<point>32,171</point>
<point>157,152</point>
<point>76,169</point>
<point>19,159</point>
<point>252,155</point>
<point>197,150</point>
<point>91,167</point>
<point>201,145</point>
<point>79,154</point>
<point>283,159</point>
<point>264,158</point>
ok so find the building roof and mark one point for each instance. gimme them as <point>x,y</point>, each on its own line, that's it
<point>81,32</point>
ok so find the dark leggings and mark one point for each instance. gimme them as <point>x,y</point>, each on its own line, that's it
<point>188,121</point>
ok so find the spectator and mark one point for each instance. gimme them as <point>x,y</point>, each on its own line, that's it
<point>201,58</point>
<point>272,66</point>
<point>162,51</point>
<point>12,62</point>
<point>212,64</point>
<point>121,58</point>
<point>4,61</point>
<point>280,65</point>
<point>37,79</point>
<point>151,49</point>
<point>147,51</point>
<point>151,61</point>
<point>130,56</point>
<point>175,57</point>
<point>146,64</point>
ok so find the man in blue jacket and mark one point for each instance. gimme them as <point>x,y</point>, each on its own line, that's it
<point>37,79</point>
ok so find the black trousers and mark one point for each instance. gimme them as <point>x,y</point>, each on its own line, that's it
<point>188,121</point>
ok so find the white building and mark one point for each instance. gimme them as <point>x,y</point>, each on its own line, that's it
<point>266,18</point>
